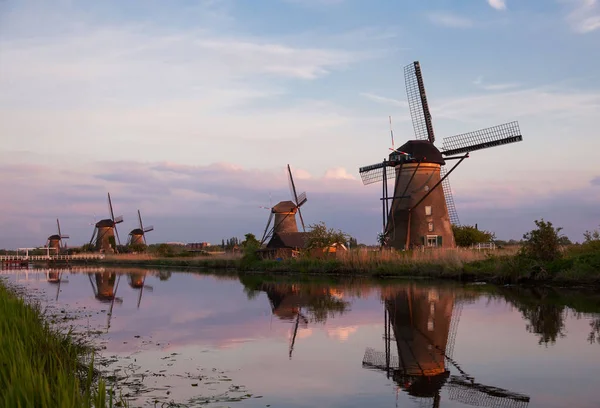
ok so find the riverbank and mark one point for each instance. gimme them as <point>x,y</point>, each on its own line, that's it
<point>41,366</point>
<point>580,265</point>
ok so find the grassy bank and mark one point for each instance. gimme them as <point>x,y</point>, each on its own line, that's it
<point>579,264</point>
<point>40,367</point>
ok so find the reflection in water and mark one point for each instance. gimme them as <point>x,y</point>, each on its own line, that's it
<point>137,281</point>
<point>594,336</point>
<point>298,303</point>
<point>421,324</point>
<point>105,290</point>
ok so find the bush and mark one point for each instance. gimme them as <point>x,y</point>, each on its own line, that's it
<point>467,235</point>
<point>543,243</point>
<point>321,237</point>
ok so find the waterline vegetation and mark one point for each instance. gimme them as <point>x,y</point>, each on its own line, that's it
<point>43,367</point>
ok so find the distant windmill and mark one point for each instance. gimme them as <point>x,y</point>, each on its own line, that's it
<point>421,213</point>
<point>284,213</point>
<point>105,230</point>
<point>55,241</point>
<point>138,235</point>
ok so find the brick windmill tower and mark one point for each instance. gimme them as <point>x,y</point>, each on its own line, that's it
<point>105,231</point>
<point>421,210</point>
<point>138,235</point>
<point>56,240</point>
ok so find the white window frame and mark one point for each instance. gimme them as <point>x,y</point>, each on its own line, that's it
<point>427,210</point>
<point>432,237</point>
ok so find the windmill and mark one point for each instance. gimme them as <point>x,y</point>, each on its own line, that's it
<point>284,213</point>
<point>55,241</point>
<point>105,231</point>
<point>422,208</point>
<point>422,322</point>
<point>138,235</point>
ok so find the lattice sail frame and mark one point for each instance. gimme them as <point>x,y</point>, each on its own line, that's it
<point>482,139</point>
<point>452,213</point>
<point>374,173</point>
<point>417,102</point>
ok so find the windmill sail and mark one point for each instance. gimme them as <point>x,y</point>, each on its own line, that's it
<point>482,139</point>
<point>374,173</point>
<point>297,201</point>
<point>449,198</point>
<point>417,102</point>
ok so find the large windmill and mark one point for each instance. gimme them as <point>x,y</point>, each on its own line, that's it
<point>56,240</point>
<point>284,215</point>
<point>422,209</point>
<point>420,326</point>
<point>105,231</point>
<point>138,235</point>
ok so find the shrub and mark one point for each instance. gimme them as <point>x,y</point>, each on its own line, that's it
<point>467,235</point>
<point>543,243</point>
<point>321,237</point>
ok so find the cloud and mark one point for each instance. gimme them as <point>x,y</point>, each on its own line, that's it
<point>339,173</point>
<point>495,87</point>
<point>448,19</point>
<point>384,100</point>
<point>497,4</point>
<point>584,16</point>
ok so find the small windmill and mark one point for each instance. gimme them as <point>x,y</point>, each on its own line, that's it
<point>284,212</point>
<point>138,235</point>
<point>55,241</point>
<point>106,229</point>
<point>421,213</point>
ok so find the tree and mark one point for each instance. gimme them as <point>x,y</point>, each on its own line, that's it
<point>543,243</point>
<point>467,235</point>
<point>590,236</point>
<point>88,248</point>
<point>321,237</point>
<point>382,239</point>
<point>249,247</point>
<point>352,242</point>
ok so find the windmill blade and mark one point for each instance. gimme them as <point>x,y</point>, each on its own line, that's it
<point>482,139</point>
<point>110,208</point>
<point>301,219</point>
<point>302,199</point>
<point>117,234</point>
<point>264,237</point>
<point>93,235</point>
<point>148,228</point>
<point>449,198</point>
<point>292,185</point>
<point>472,393</point>
<point>118,220</point>
<point>374,173</point>
<point>58,225</point>
<point>417,102</point>
<point>140,220</point>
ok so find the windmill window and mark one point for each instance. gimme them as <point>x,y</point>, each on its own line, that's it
<point>427,210</point>
<point>432,240</point>
<point>430,325</point>
<point>430,227</point>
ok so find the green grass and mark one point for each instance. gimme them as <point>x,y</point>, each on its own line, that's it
<point>41,367</point>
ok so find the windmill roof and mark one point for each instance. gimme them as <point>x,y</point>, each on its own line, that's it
<point>136,231</point>
<point>284,206</point>
<point>422,150</point>
<point>293,240</point>
<point>105,223</point>
<point>55,236</point>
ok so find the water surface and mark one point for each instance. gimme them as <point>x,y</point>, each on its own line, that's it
<point>252,341</point>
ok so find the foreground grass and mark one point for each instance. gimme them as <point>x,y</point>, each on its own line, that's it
<point>579,265</point>
<point>40,367</point>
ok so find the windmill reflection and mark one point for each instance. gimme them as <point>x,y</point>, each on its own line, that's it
<point>55,277</point>
<point>137,280</point>
<point>105,285</point>
<point>419,331</point>
<point>299,304</point>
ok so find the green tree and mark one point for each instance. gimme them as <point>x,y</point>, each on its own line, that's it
<point>590,236</point>
<point>352,242</point>
<point>249,247</point>
<point>467,235</point>
<point>382,239</point>
<point>543,243</point>
<point>320,236</point>
<point>138,248</point>
<point>88,248</point>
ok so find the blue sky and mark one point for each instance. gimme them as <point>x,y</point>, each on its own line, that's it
<point>190,110</point>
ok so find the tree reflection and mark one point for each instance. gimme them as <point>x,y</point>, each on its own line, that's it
<point>594,336</point>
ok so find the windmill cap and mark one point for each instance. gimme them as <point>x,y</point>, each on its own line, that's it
<point>136,231</point>
<point>284,206</point>
<point>54,237</point>
<point>422,150</point>
<point>105,223</point>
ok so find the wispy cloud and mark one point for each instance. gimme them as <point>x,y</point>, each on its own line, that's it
<point>584,16</point>
<point>384,99</point>
<point>497,4</point>
<point>448,19</point>
<point>494,87</point>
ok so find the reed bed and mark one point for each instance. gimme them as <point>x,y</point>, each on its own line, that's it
<point>41,367</point>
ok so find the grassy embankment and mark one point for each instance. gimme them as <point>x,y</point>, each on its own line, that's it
<point>41,367</point>
<point>579,264</point>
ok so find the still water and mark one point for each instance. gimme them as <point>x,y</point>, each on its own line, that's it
<point>254,341</point>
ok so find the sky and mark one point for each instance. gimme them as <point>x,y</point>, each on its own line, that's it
<point>190,111</point>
